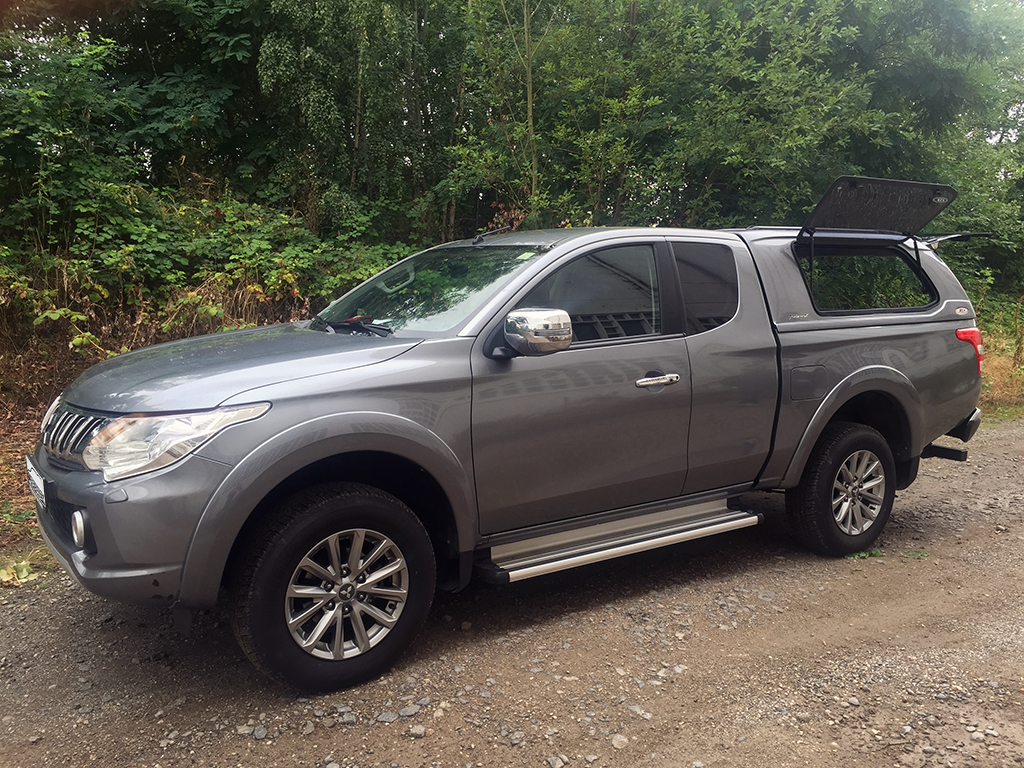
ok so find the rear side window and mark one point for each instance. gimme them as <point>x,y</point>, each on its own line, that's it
<point>849,279</point>
<point>609,294</point>
<point>707,275</point>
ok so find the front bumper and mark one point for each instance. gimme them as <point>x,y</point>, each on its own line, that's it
<point>137,530</point>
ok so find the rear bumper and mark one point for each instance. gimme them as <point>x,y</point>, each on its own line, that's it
<point>965,429</point>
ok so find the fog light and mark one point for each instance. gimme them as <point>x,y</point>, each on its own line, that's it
<point>78,528</point>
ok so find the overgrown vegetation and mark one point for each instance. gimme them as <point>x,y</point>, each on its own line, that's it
<point>173,167</point>
<point>16,523</point>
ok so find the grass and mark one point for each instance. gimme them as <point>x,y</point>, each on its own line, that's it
<point>1002,393</point>
<point>916,554</point>
<point>17,523</point>
<point>995,412</point>
<point>876,552</point>
<point>18,567</point>
<point>21,556</point>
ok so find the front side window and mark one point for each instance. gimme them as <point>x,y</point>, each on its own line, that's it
<point>852,278</point>
<point>611,293</point>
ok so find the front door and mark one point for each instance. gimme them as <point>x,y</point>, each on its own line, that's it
<point>573,433</point>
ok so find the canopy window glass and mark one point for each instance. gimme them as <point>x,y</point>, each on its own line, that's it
<point>852,278</point>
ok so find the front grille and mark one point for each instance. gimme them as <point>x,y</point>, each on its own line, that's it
<point>67,432</point>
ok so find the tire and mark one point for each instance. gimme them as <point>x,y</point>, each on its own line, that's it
<point>310,612</point>
<point>845,496</point>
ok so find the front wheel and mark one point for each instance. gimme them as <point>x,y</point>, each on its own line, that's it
<point>334,588</point>
<point>845,496</point>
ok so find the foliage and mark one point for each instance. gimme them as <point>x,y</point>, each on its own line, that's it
<point>364,94</point>
<point>179,166</point>
<point>16,523</point>
<point>14,574</point>
<point>611,111</point>
<point>866,554</point>
<point>915,554</point>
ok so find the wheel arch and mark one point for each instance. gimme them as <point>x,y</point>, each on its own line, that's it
<point>879,397</point>
<point>382,450</point>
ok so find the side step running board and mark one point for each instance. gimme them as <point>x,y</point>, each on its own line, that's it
<point>549,554</point>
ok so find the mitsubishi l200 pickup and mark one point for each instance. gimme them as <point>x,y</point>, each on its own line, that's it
<point>510,406</point>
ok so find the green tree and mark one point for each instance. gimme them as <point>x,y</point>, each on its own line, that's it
<point>364,96</point>
<point>655,112</point>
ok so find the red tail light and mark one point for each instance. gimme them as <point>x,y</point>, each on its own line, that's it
<point>973,336</point>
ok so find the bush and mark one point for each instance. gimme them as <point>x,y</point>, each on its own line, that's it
<point>162,271</point>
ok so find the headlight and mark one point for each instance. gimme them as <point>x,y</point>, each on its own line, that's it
<point>135,444</point>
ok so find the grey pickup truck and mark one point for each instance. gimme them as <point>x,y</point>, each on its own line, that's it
<point>511,406</point>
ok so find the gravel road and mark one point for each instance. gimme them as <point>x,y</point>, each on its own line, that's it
<point>740,650</point>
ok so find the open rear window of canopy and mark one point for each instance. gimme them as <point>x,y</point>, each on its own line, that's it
<point>863,208</point>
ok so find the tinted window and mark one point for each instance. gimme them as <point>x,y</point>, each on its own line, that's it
<point>608,294</point>
<point>848,279</point>
<point>707,274</point>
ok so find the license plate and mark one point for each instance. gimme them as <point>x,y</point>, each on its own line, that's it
<point>35,484</point>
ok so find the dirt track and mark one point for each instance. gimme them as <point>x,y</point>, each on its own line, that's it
<point>740,650</point>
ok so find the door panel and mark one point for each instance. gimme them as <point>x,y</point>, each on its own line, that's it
<point>734,373</point>
<point>571,434</point>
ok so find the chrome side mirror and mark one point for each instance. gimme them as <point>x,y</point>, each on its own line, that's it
<point>535,332</point>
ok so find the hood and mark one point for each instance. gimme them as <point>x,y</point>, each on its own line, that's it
<point>195,374</point>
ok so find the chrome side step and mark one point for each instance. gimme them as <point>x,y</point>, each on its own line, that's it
<point>557,552</point>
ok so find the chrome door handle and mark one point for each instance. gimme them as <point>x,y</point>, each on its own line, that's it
<point>658,381</point>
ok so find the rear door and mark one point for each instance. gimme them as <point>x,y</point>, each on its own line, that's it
<point>733,365</point>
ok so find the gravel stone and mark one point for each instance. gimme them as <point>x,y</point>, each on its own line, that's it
<point>931,675</point>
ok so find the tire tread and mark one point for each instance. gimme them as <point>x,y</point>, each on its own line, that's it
<point>808,521</point>
<point>257,549</point>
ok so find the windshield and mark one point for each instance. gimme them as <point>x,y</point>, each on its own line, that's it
<point>435,290</point>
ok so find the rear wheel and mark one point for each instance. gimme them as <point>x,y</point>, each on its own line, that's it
<point>334,588</point>
<point>845,497</point>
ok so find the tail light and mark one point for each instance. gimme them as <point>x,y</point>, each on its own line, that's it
<point>973,336</point>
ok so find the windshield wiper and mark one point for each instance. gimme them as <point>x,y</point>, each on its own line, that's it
<point>363,325</point>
